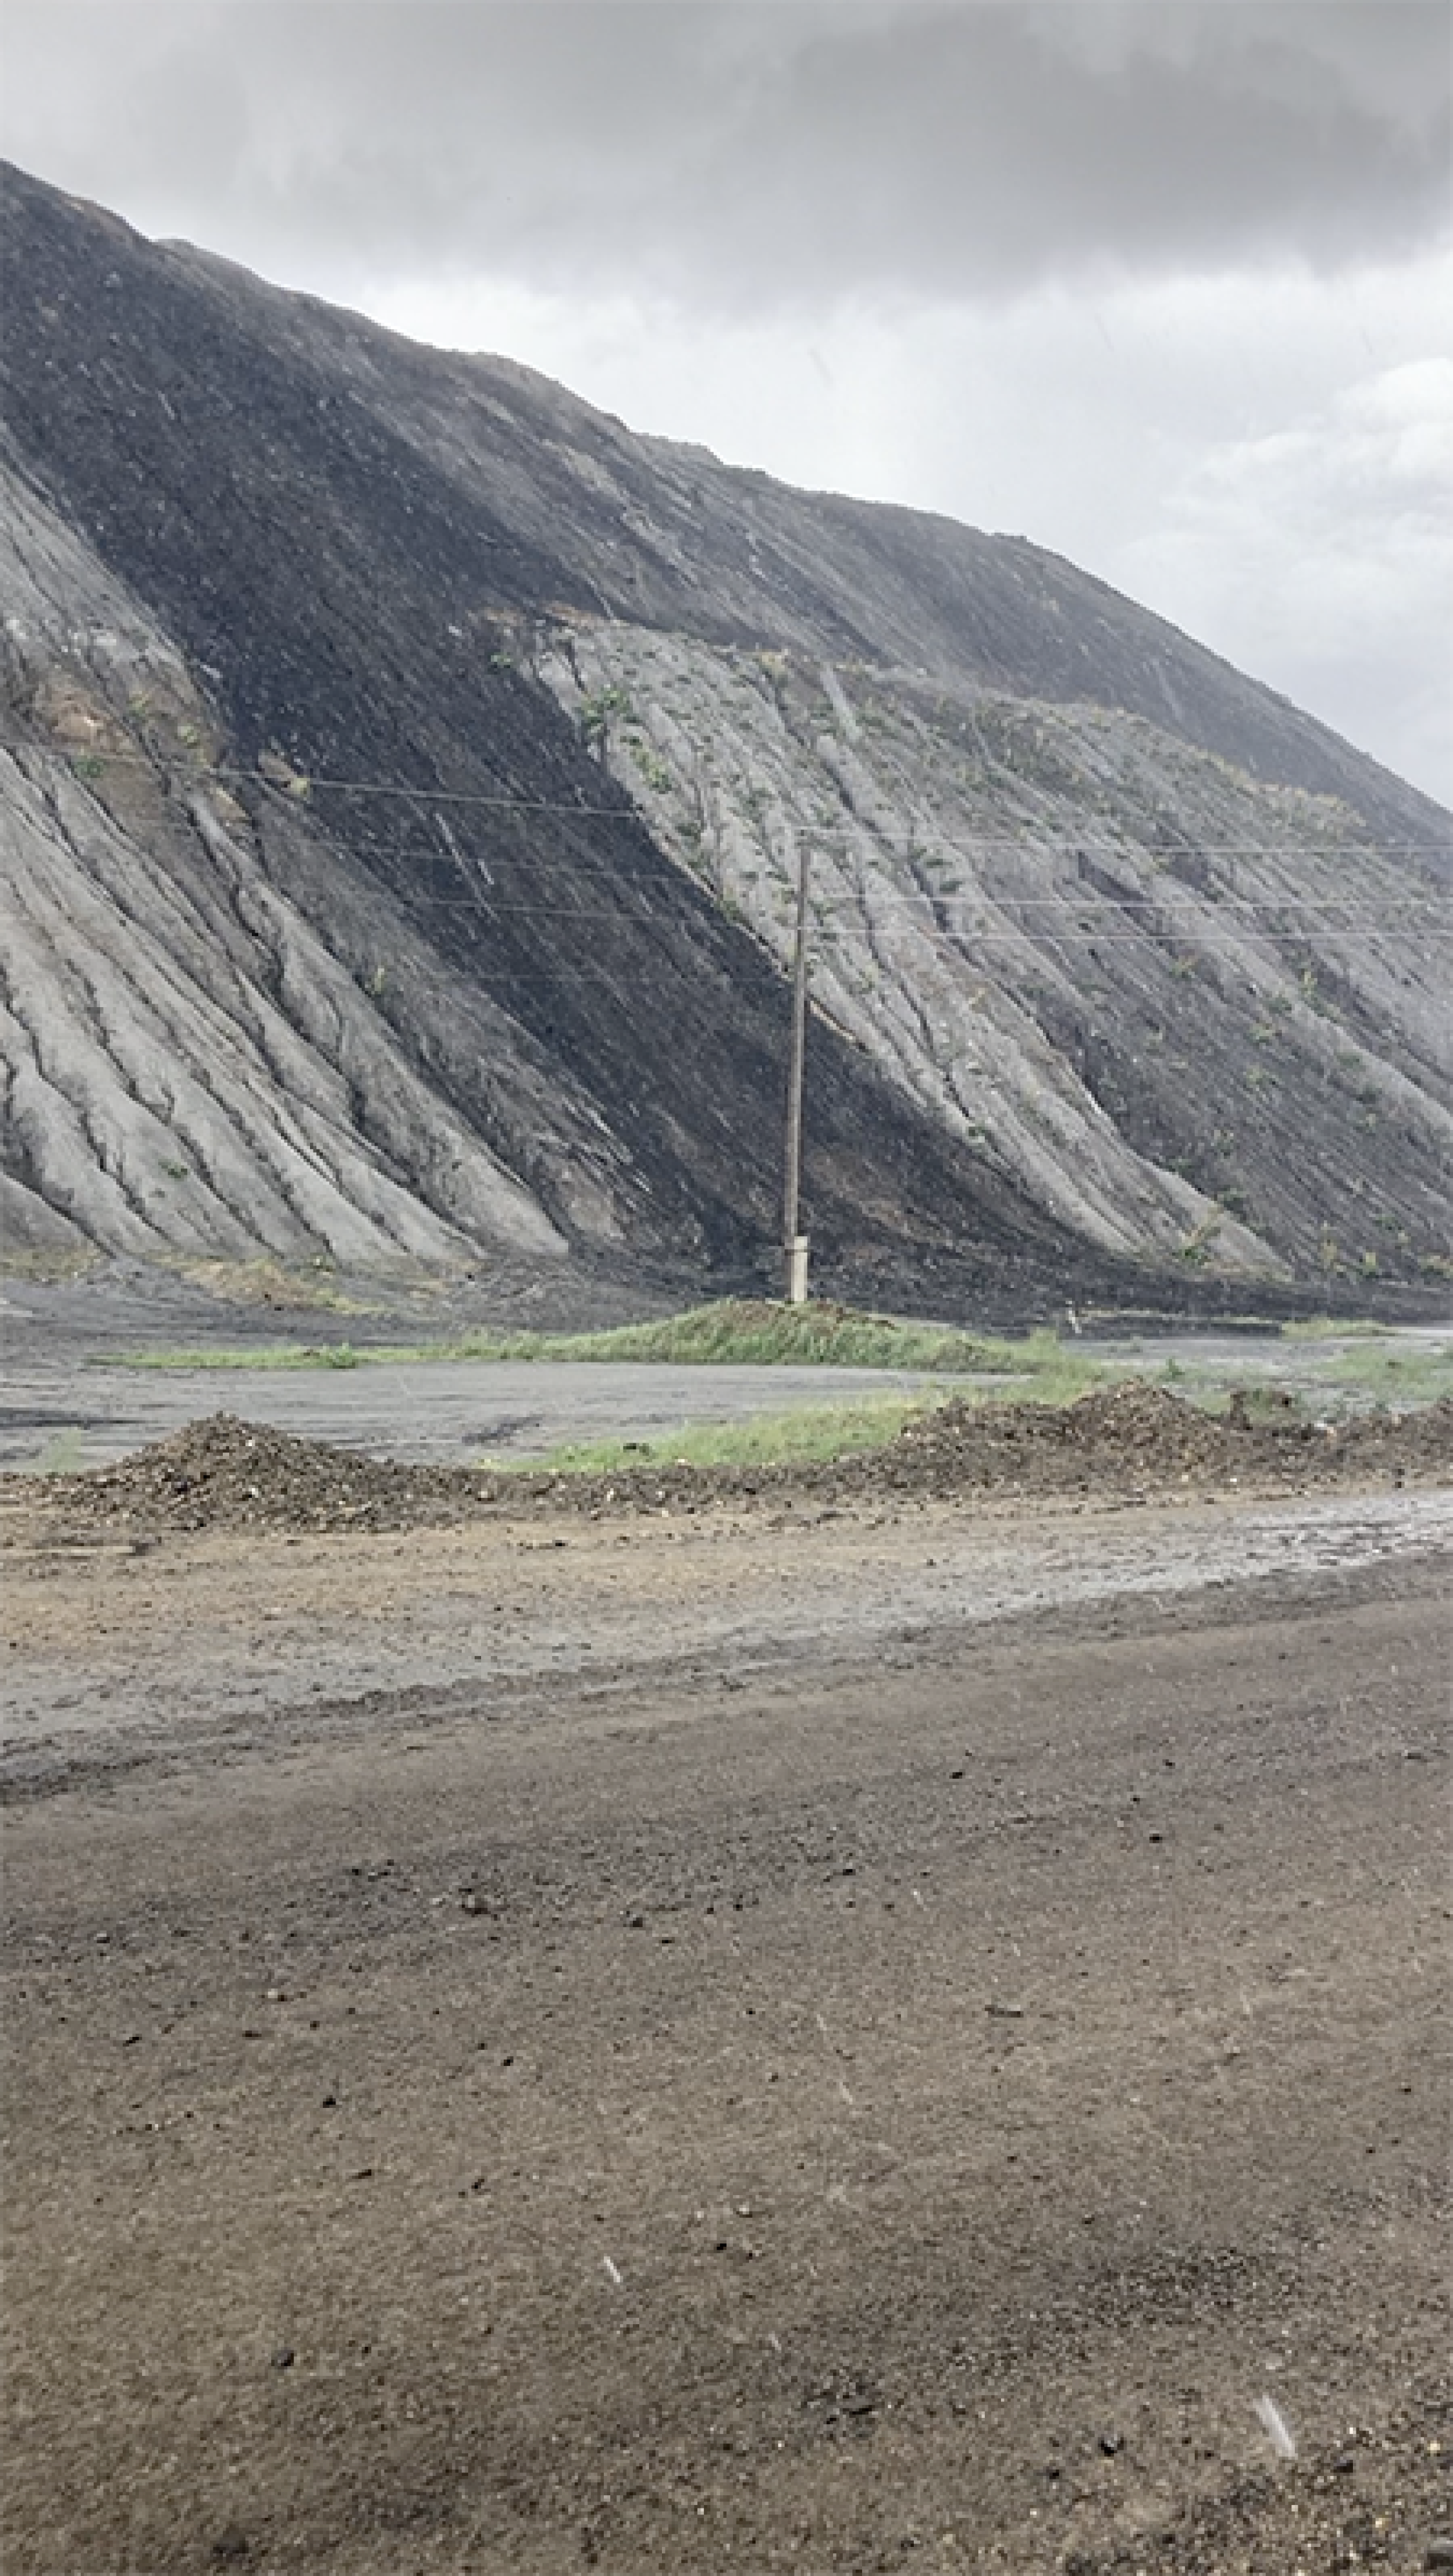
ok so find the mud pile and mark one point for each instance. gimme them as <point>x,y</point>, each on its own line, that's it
<point>1127,1441</point>
<point>224,1473</point>
<point>1135,1437</point>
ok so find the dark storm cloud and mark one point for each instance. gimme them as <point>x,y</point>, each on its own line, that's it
<point>746,154</point>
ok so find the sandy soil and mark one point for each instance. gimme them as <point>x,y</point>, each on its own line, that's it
<point>822,2040</point>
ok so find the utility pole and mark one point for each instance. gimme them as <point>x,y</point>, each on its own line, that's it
<point>794,1245</point>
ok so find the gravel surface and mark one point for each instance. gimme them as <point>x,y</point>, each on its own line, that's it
<point>809,2031</point>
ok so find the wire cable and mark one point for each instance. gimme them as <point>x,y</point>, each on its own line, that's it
<point>304,785</point>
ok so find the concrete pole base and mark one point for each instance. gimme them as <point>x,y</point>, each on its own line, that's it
<point>795,1254</point>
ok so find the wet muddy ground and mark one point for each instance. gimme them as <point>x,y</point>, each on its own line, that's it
<point>67,1403</point>
<point>436,1412</point>
<point>803,2034</point>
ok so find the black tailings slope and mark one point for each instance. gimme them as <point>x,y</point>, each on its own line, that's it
<point>334,595</point>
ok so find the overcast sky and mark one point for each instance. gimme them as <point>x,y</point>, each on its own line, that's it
<point>1163,284</point>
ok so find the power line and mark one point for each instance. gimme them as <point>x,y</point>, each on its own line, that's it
<point>1173,913</point>
<point>1215,916</point>
<point>304,785</point>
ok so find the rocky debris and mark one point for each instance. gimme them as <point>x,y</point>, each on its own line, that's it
<point>1129,1441</point>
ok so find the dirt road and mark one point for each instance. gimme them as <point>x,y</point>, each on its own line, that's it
<point>853,2045</point>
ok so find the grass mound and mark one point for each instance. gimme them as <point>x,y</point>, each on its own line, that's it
<point>758,1332</point>
<point>731,1331</point>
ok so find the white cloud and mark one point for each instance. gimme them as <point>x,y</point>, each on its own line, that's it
<point>1263,458</point>
<point>1320,556</point>
<point>1155,283</point>
<point>753,156</point>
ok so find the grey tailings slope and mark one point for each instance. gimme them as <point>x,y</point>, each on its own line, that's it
<point>254,535</point>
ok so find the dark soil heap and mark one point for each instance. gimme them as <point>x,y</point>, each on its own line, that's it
<point>1126,1442</point>
<point>224,1473</point>
<point>1135,1436</point>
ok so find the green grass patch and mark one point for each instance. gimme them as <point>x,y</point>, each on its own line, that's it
<point>265,1282</point>
<point>263,1355</point>
<point>740,1332</point>
<point>1210,1385</point>
<point>1397,1375</point>
<point>1045,1371</point>
<point>64,1455</point>
<point>50,1266</point>
<point>757,1332</point>
<point>1399,1379</point>
<point>798,1435</point>
<point>1332,1328</point>
<point>1381,1367</point>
